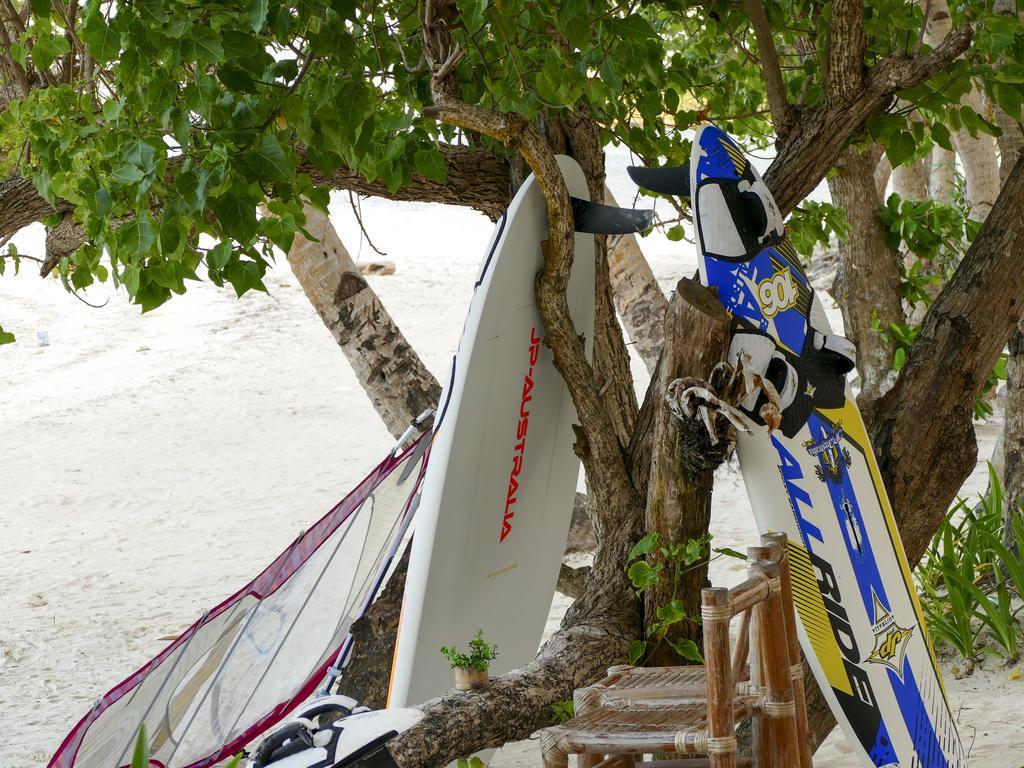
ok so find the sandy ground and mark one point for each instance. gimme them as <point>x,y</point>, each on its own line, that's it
<point>153,464</point>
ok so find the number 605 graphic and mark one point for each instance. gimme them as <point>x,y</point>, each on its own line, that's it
<point>779,292</point>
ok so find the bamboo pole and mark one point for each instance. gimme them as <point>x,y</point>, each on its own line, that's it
<point>778,704</point>
<point>716,614</point>
<point>795,660</point>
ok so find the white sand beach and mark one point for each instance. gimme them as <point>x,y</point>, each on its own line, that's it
<point>152,464</point>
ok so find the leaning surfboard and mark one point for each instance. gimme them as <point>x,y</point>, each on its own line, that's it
<point>816,477</point>
<point>499,490</point>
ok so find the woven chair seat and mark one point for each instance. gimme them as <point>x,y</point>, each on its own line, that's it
<point>691,712</point>
<point>675,729</point>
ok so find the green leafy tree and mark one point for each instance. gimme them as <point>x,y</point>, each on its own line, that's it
<point>168,141</point>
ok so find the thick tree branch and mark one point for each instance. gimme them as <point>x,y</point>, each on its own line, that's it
<point>817,139</point>
<point>572,581</point>
<point>847,42</point>
<point>390,372</point>
<point>476,179</point>
<point>782,111</point>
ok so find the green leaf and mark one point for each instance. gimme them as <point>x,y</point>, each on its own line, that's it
<point>642,575</point>
<point>6,337</point>
<point>645,546</point>
<point>728,552</point>
<point>675,233</point>
<point>900,148</point>
<point>687,649</point>
<point>237,216</point>
<point>103,40</point>
<point>672,613</point>
<point>430,163</point>
<point>41,8</point>
<point>942,137</point>
<point>48,47</point>
<point>152,11</point>
<point>19,53</point>
<point>257,15</point>
<point>204,47</point>
<point>241,47</point>
<point>268,159</point>
<point>102,202</point>
<point>136,237</point>
<point>636,650</point>
<point>218,256</point>
<point>127,174</point>
<point>112,108</point>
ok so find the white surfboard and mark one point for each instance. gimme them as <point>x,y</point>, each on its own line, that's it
<point>498,494</point>
<point>816,479</point>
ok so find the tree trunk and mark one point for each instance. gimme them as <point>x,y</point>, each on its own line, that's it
<point>1011,143</point>
<point>638,297</point>
<point>883,174</point>
<point>980,157</point>
<point>682,473</point>
<point>388,368</point>
<point>1010,460</point>
<point>867,280</point>
<point>1012,437</point>
<point>942,175</point>
<point>910,181</point>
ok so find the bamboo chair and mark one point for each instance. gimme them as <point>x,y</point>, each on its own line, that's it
<point>693,711</point>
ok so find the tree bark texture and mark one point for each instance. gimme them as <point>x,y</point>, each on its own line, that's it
<point>820,135</point>
<point>679,491</point>
<point>388,368</point>
<point>922,428</point>
<point>1011,144</point>
<point>638,297</point>
<point>867,280</point>
<point>1013,433</point>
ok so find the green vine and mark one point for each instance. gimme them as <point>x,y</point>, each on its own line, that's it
<point>676,560</point>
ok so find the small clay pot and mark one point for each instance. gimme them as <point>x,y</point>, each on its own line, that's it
<point>468,678</point>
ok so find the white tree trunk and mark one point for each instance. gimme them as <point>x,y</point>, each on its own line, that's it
<point>942,175</point>
<point>638,298</point>
<point>978,154</point>
<point>910,181</point>
<point>980,157</point>
<point>388,368</point>
<point>883,173</point>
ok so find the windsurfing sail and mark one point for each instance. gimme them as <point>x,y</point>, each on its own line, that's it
<point>248,662</point>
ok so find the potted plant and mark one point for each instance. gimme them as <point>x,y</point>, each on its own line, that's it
<point>471,669</point>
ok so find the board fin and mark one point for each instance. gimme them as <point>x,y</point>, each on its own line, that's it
<point>597,219</point>
<point>667,180</point>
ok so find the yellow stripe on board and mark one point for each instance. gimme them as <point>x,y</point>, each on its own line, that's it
<point>738,161</point>
<point>853,426</point>
<point>811,609</point>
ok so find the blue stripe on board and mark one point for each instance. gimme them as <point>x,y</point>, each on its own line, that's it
<point>869,582</point>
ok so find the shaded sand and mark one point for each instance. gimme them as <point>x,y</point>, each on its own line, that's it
<point>153,464</point>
